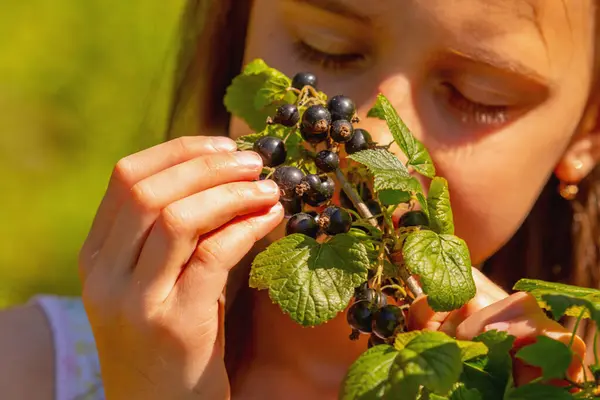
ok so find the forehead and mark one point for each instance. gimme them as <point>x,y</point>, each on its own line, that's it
<point>551,32</point>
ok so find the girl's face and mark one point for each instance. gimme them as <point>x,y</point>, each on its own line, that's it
<point>494,88</point>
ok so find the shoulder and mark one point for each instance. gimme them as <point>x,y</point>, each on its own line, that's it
<point>27,352</point>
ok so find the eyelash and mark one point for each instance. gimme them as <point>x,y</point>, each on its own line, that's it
<point>474,112</point>
<point>328,61</point>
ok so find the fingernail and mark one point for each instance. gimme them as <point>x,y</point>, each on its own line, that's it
<point>497,326</point>
<point>267,186</point>
<point>277,208</point>
<point>249,158</point>
<point>224,143</point>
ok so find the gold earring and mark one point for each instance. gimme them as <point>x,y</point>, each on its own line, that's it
<point>568,191</point>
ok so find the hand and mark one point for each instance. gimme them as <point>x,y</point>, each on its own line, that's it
<point>174,220</point>
<point>493,309</point>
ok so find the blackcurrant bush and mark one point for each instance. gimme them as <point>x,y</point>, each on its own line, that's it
<point>335,220</point>
<point>386,320</point>
<point>374,340</point>
<point>287,178</point>
<point>413,218</point>
<point>341,107</point>
<point>302,79</point>
<point>302,223</point>
<point>291,206</point>
<point>271,150</point>
<point>360,141</point>
<point>316,119</point>
<point>312,137</point>
<point>327,161</point>
<point>341,131</point>
<point>360,316</point>
<point>287,115</point>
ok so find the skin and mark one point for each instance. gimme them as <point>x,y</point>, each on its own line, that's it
<point>154,264</point>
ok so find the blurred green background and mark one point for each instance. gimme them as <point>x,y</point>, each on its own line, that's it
<point>82,83</point>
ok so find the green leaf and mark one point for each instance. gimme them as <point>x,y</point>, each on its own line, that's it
<point>418,156</point>
<point>311,282</point>
<point>490,374</point>
<point>537,391</point>
<point>438,204</point>
<point>387,170</point>
<point>552,356</point>
<point>255,94</point>
<point>470,350</point>
<point>462,393</point>
<point>390,197</point>
<point>368,376</point>
<point>423,203</point>
<point>431,359</point>
<point>444,267</point>
<point>293,143</point>
<point>563,299</point>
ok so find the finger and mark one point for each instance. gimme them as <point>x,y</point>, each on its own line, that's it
<point>526,329</point>
<point>174,237</point>
<point>510,308</point>
<point>421,316</point>
<point>204,277</point>
<point>136,167</point>
<point>150,196</point>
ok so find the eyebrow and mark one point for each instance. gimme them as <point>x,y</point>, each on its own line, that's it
<point>496,61</point>
<point>336,7</point>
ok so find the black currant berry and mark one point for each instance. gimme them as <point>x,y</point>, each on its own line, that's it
<point>335,220</point>
<point>386,320</point>
<point>341,107</point>
<point>413,218</point>
<point>316,119</point>
<point>291,206</point>
<point>360,141</point>
<point>319,193</point>
<point>263,176</point>
<point>313,183</point>
<point>360,316</point>
<point>302,223</point>
<point>302,79</point>
<point>314,214</point>
<point>287,178</point>
<point>287,115</point>
<point>374,340</point>
<point>374,297</point>
<point>271,150</point>
<point>312,137</point>
<point>341,131</point>
<point>327,161</point>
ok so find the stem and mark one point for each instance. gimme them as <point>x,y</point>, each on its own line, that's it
<point>411,282</point>
<point>576,328</point>
<point>596,346</point>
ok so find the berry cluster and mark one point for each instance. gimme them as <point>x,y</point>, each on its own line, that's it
<point>371,314</point>
<point>327,126</point>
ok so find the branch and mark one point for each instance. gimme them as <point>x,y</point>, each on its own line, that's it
<point>411,282</point>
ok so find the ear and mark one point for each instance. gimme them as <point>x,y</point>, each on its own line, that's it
<point>583,153</point>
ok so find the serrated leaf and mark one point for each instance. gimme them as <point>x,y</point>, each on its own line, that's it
<point>368,376</point>
<point>563,299</point>
<point>311,282</point>
<point>418,156</point>
<point>537,391</point>
<point>444,267</point>
<point>430,359</point>
<point>537,354</point>
<point>293,143</point>
<point>388,172</point>
<point>470,350</point>
<point>255,94</point>
<point>423,203</point>
<point>441,219</point>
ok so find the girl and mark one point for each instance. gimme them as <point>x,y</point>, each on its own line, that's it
<point>502,92</point>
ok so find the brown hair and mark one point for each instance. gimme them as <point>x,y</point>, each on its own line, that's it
<point>558,241</point>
